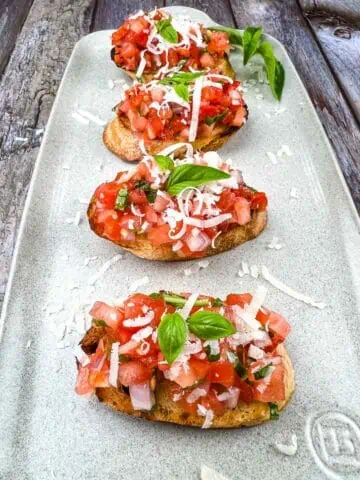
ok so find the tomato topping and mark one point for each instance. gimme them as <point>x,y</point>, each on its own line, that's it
<point>219,43</point>
<point>238,299</point>
<point>271,389</point>
<point>112,316</point>
<point>82,386</point>
<point>159,235</point>
<point>133,372</point>
<point>222,373</point>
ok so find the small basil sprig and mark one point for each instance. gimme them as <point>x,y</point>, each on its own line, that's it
<point>164,162</point>
<point>253,44</point>
<point>239,367</point>
<point>180,78</point>
<point>149,192</point>
<point>210,325</point>
<point>121,201</point>
<point>190,175</point>
<point>172,335</point>
<point>274,411</point>
<point>167,31</point>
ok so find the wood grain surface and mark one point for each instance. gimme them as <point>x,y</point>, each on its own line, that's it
<point>37,37</point>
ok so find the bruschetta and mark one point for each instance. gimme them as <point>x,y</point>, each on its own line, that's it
<point>152,44</point>
<point>188,359</point>
<point>178,209</point>
<point>204,109</point>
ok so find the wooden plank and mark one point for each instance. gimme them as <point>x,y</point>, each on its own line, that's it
<point>12,16</point>
<point>110,14</point>
<point>27,92</point>
<point>284,20</point>
<point>220,12</point>
<point>337,28</point>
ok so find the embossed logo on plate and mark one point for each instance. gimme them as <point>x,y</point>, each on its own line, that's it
<point>334,440</point>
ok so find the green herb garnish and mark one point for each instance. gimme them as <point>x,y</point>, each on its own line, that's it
<point>216,118</point>
<point>121,201</point>
<point>167,31</point>
<point>239,367</point>
<point>212,357</point>
<point>210,325</point>
<point>178,301</point>
<point>172,335</point>
<point>164,162</point>
<point>217,302</point>
<point>149,192</point>
<point>180,78</point>
<point>274,411</point>
<point>124,358</point>
<point>182,91</point>
<point>274,70</point>
<point>99,323</point>
<point>251,42</point>
<point>263,372</point>
<point>190,175</point>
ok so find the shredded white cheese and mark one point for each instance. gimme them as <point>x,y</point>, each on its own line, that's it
<point>284,150</point>
<point>195,108</point>
<point>207,413</point>
<point>138,283</point>
<point>272,157</point>
<point>91,117</point>
<point>94,278</point>
<point>294,193</point>
<point>114,364</point>
<point>80,118</point>
<point>289,291</point>
<point>190,302</point>
<point>210,474</point>
<point>289,450</point>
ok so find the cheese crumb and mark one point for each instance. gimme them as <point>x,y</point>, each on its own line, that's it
<point>138,283</point>
<point>272,157</point>
<point>210,474</point>
<point>289,450</point>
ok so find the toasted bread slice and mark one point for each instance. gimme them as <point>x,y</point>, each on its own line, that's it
<point>166,410</point>
<point>124,143</point>
<point>142,248</point>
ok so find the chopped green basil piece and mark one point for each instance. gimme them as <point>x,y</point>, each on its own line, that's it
<point>121,201</point>
<point>239,367</point>
<point>167,31</point>
<point>149,192</point>
<point>211,356</point>
<point>251,42</point>
<point>180,78</point>
<point>216,118</point>
<point>123,358</point>
<point>263,372</point>
<point>178,301</point>
<point>99,323</point>
<point>182,91</point>
<point>217,302</point>
<point>274,411</point>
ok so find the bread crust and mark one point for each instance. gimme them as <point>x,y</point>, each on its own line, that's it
<point>166,410</point>
<point>143,248</point>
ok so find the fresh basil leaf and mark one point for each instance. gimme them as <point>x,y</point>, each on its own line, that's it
<point>274,70</point>
<point>212,357</point>
<point>121,201</point>
<point>217,302</point>
<point>151,195</point>
<point>167,31</point>
<point>235,37</point>
<point>239,367</point>
<point>263,372</point>
<point>99,323</point>
<point>210,325</point>
<point>190,175</point>
<point>217,118</point>
<point>172,336</point>
<point>251,42</point>
<point>274,411</point>
<point>182,91</point>
<point>180,78</point>
<point>164,162</point>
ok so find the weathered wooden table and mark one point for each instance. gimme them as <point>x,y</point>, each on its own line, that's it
<point>37,37</point>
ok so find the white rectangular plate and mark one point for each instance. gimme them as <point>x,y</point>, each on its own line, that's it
<point>49,432</point>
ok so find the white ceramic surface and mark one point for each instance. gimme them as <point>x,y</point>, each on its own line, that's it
<point>48,432</point>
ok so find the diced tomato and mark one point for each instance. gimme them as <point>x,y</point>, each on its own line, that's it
<point>162,202</point>
<point>150,215</point>
<point>139,123</point>
<point>259,201</point>
<point>133,307</point>
<point>124,335</point>
<point>242,211</point>
<point>199,367</point>
<point>219,43</point>
<point>273,389</point>
<point>133,372</point>
<point>157,94</point>
<point>196,371</point>
<point>154,127</point>
<point>278,325</point>
<point>82,386</point>
<point>150,360</point>
<point>99,379</point>
<point>161,365</point>
<point>144,172</point>
<point>138,197</point>
<point>159,235</point>
<point>211,402</point>
<point>173,57</point>
<point>226,201</point>
<point>238,299</point>
<point>207,61</point>
<point>112,316</point>
<point>222,373</point>
<point>106,194</point>
<point>246,391</point>
<point>239,117</point>
<point>138,24</point>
